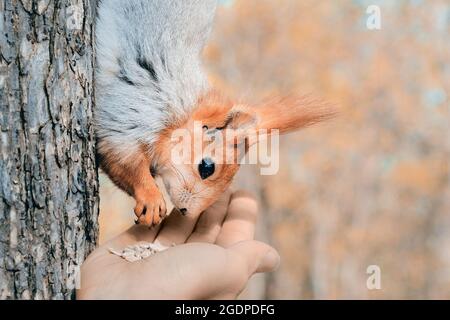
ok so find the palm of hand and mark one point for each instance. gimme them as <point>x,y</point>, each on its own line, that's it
<point>214,257</point>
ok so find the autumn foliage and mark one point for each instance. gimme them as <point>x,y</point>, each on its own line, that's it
<point>371,187</point>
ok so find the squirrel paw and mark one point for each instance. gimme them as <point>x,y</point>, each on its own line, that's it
<point>150,209</point>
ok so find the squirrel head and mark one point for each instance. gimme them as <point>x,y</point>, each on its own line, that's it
<point>198,158</point>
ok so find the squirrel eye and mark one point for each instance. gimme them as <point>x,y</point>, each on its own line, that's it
<point>206,168</point>
<point>205,128</point>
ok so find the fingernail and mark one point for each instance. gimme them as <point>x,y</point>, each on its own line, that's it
<point>270,262</point>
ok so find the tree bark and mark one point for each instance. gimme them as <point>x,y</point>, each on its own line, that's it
<point>49,185</point>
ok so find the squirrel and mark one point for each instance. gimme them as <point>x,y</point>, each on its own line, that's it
<point>150,83</point>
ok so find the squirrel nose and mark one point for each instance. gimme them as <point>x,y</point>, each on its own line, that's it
<point>183,211</point>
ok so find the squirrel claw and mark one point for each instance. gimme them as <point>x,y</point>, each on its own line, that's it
<point>151,211</point>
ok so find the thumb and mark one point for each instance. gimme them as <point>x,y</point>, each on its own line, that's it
<point>257,256</point>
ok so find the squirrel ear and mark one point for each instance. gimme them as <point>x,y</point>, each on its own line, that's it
<point>291,113</point>
<point>238,129</point>
<point>239,118</point>
<point>243,125</point>
<point>278,115</point>
<point>285,114</point>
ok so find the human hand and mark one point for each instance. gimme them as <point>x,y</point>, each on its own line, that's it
<point>214,257</point>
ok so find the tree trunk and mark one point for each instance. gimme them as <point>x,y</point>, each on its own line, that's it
<point>49,185</point>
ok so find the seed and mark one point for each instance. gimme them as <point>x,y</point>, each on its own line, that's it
<point>139,251</point>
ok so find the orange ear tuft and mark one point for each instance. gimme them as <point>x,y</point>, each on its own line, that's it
<point>292,113</point>
<point>212,109</point>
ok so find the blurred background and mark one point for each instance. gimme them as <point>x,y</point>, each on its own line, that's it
<point>369,188</point>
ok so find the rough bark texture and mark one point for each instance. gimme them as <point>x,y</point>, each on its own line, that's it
<point>49,186</point>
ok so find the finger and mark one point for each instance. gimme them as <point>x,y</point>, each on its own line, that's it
<point>210,222</point>
<point>176,228</point>
<point>229,276</point>
<point>239,224</point>
<point>258,256</point>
